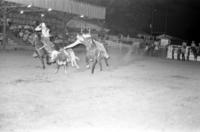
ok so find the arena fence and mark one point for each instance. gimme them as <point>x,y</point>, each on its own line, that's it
<point>174,52</point>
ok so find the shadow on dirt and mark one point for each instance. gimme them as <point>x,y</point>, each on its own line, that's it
<point>19,81</point>
<point>180,77</point>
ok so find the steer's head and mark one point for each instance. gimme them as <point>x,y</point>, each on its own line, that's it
<point>54,55</point>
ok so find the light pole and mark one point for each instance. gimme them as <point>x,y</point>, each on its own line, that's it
<point>4,27</point>
<point>82,17</point>
<point>152,20</point>
<point>166,17</point>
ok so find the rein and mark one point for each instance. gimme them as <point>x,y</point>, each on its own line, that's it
<point>41,47</point>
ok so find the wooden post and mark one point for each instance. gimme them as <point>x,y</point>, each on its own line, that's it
<point>120,44</point>
<point>120,47</point>
<point>4,27</point>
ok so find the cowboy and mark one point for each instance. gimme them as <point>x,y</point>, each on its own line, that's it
<point>45,37</point>
<point>89,42</point>
<point>194,50</point>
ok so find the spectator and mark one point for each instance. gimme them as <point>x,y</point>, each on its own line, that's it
<point>179,53</point>
<point>198,49</point>
<point>194,50</point>
<point>193,45</point>
<point>156,48</point>
<point>183,50</point>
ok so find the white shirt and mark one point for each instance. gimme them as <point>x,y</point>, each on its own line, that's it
<point>45,33</point>
<point>45,30</point>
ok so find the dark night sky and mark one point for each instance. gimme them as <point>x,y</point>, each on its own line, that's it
<point>182,19</point>
<point>174,17</point>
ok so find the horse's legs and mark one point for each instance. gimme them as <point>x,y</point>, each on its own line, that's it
<point>65,67</point>
<point>40,57</point>
<point>93,66</point>
<point>42,61</point>
<point>47,60</point>
<point>73,63</point>
<point>87,62</point>
<point>99,61</point>
<point>76,65</point>
<point>106,61</point>
<point>57,68</point>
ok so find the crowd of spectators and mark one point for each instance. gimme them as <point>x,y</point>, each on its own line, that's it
<point>24,32</point>
<point>183,52</point>
<point>149,47</point>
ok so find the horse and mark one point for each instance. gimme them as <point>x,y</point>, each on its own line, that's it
<point>95,51</point>
<point>95,55</point>
<point>39,49</point>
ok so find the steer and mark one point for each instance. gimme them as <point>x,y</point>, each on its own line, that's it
<point>64,58</point>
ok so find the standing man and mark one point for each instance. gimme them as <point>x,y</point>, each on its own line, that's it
<point>198,49</point>
<point>183,50</point>
<point>194,50</point>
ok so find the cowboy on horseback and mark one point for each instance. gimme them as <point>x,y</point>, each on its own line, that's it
<point>45,37</point>
<point>88,41</point>
<point>95,50</point>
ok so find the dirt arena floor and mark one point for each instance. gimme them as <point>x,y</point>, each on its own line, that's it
<point>135,94</point>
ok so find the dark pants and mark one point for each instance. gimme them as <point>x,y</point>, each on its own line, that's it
<point>183,56</point>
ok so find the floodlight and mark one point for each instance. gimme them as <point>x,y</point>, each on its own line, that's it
<point>82,16</point>
<point>50,9</point>
<point>21,12</point>
<point>29,6</point>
